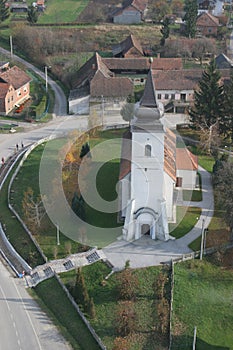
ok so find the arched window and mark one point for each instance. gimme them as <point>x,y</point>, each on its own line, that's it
<point>148,150</point>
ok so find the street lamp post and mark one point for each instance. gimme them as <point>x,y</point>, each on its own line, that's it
<point>202,238</point>
<point>58,235</point>
<point>46,77</point>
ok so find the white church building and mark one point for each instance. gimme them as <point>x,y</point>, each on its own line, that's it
<point>148,172</point>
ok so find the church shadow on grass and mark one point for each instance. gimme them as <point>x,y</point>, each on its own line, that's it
<point>186,343</point>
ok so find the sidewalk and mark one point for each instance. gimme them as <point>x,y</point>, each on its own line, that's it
<point>147,252</point>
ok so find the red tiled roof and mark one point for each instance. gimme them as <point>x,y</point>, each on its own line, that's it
<point>110,87</point>
<point>139,5</point>
<point>16,77</point>
<point>131,64</point>
<point>127,44</point>
<point>185,160</point>
<point>184,79</point>
<point>208,19</point>
<point>170,154</point>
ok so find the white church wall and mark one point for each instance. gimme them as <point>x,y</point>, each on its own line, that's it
<point>168,195</point>
<point>188,178</point>
<point>125,194</point>
<point>147,181</point>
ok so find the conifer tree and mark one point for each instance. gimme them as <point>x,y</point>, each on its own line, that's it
<point>208,110</point>
<point>4,11</point>
<point>165,31</point>
<point>190,18</point>
<point>32,14</point>
<point>227,122</point>
<point>80,293</point>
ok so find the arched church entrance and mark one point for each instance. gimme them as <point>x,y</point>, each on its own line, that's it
<point>146,222</point>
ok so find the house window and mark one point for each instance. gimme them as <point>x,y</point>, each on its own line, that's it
<point>183,97</point>
<point>19,93</point>
<point>166,96</point>
<point>148,150</point>
<point>12,98</point>
<point>25,89</point>
<point>159,96</point>
<point>173,96</point>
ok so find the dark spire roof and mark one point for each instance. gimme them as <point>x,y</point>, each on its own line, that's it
<point>149,96</point>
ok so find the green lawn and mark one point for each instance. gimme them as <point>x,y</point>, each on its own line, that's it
<point>186,218</point>
<point>54,301</point>
<point>59,11</point>
<point>202,298</point>
<point>105,298</point>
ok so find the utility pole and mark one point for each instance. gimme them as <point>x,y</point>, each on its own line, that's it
<point>202,238</point>
<point>58,235</point>
<point>11,46</point>
<point>194,338</point>
<point>46,77</point>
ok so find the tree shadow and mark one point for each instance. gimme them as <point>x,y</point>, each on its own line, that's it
<point>186,343</point>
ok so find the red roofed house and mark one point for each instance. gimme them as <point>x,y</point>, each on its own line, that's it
<point>132,12</point>
<point>14,88</point>
<point>207,24</point>
<point>130,47</point>
<point>112,79</point>
<point>95,83</point>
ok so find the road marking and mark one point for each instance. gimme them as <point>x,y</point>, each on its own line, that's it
<point>11,315</point>
<point>28,316</point>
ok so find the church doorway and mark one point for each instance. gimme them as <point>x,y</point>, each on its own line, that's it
<point>145,229</point>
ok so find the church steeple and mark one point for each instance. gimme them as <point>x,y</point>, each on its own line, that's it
<point>149,96</point>
<point>149,112</point>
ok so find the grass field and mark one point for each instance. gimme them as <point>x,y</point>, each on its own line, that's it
<point>54,301</point>
<point>58,11</point>
<point>202,298</point>
<point>186,218</point>
<point>105,298</point>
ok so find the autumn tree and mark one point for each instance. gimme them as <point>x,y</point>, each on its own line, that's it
<point>121,343</point>
<point>126,320</point>
<point>208,110</point>
<point>127,284</point>
<point>33,209</point>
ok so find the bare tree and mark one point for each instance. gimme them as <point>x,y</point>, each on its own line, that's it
<point>33,208</point>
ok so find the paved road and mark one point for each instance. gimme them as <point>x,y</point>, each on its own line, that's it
<point>23,326</point>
